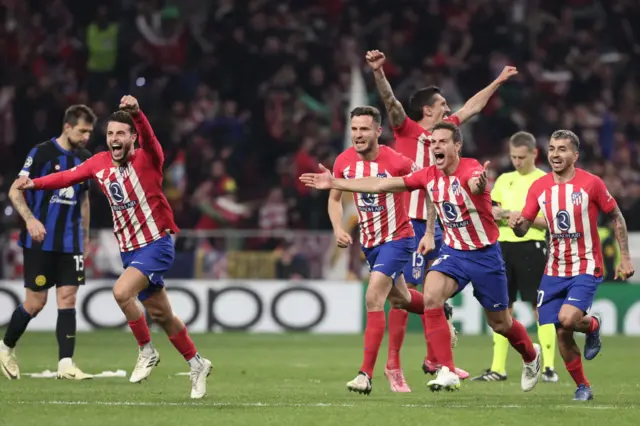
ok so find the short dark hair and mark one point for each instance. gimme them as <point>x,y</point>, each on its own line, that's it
<point>422,97</point>
<point>123,117</point>
<point>523,139</point>
<point>372,112</point>
<point>455,130</point>
<point>75,113</point>
<point>569,135</point>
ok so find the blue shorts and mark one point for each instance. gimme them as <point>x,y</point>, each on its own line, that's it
<point>390,258</point>
<point>414,270</point>
<point>153,260</point>
<point>554,292</point>
<point>484,268</point>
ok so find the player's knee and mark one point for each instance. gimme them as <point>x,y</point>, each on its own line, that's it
<point>500,326</point>
<point>433,299</point>
<point>161,317</point>
<point>34,306</point>
<point>122,295</point>
<point>66,301</point>
<point>398,302</point>
<point>374,303</point>
<point>567,322</point>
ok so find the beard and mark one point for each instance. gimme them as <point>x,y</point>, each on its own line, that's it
<point>75,144</point>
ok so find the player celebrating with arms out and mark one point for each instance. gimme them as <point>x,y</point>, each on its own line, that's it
<point>570,199</point>
<point>413,141</point>
<point>469,254</point>
<point>143,221</point>
<point>386,237</point>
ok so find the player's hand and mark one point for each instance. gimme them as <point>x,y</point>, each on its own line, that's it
<point>482,177</point>
<point>515,220</point>
<point>427,244</point>
<point>375,59</point>
<point>624,270</point>
<point>497,213</point>
<point>23,183</point>
<point>36,229</point>
<point>343,239</point>
<point>507,73</point>
<point>129,104</point>
<point>322,180</point>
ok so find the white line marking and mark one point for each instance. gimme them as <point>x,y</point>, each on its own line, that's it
<point>579,406</point>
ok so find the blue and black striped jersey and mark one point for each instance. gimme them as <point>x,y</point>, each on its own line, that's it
<point>58,210</point>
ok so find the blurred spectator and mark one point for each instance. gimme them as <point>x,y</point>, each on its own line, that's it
<point>291,265</point>
<point>245,95</point>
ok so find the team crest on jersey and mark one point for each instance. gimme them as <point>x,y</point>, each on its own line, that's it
<point>455,187</point>
<point>576,198</point>
<point>417,272</point>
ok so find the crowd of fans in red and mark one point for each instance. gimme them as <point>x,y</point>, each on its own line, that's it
<point>246,95</point>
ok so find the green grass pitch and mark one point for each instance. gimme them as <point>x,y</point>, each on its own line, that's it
<point>300,379</point>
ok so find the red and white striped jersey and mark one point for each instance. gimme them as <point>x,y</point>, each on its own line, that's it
<point>141,213</point>
<point>466,218</point>
<point>382,217</point>
<point>414,142</point>
<point>571,211</point>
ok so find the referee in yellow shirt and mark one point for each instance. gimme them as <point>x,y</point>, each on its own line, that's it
<point>525,258</point>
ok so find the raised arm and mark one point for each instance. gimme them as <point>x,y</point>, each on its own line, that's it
<point>146,138</point>
<point>376,60</point>
<point>478,101</point>
<point>63,179</point>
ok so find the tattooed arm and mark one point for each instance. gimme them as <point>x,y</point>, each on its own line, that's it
<point>394,108</point>
<point>625,269</point>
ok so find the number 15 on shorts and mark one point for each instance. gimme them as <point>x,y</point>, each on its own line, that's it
<point>79,262</point>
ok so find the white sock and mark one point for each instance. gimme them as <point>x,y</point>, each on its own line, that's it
<point>195,362</point>
<point>65,363</point>
<point>147,348</point>
<point>4,347</point>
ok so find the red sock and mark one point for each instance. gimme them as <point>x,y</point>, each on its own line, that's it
<point>439,336</point>
<point>574,367</point>
<point>593,325</point>
<point>416,306</point>
<point>397,328</point>
<point>184,344</point>
<point>140,330</point>
<point>430,356</point>
<point>520,341</point>
<point>373,335</point>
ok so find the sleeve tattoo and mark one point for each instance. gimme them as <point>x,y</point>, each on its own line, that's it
<point>393,106</point>
<point>619,226</point>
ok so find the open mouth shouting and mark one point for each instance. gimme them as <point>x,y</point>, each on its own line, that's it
<point>439,156</point>
<point>117,151</point>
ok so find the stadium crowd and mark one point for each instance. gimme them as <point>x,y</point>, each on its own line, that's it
<point>247,95</point>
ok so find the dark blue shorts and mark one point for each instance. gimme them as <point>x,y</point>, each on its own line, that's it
<point>415,269</point>
<point>484,268</point>
<point>578,291</point>
<point>390,258</point>
<point>153,260</point>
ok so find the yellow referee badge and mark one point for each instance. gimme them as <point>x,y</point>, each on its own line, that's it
<point>41,280</point>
